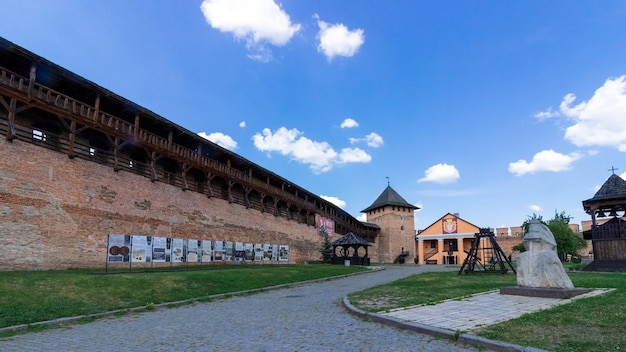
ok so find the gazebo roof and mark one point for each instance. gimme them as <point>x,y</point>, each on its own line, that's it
<point>389,197</point>
<point>350,239</point>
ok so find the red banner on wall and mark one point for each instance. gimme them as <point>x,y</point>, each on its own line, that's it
<point>324,226</point>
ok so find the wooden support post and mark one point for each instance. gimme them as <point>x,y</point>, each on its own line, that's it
<point>12,108</point>
<point>31,79</point>
<point>136,131</point>
<point>153,157</point>
<point>209,178</point>
<point>184,169</point>
<point>96,118</point>
<point>70,148</point>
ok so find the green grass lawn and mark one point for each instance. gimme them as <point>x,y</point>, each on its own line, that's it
<point>590,324</point>
<point>35,296</point>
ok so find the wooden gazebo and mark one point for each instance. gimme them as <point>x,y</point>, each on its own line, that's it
<point>351,248</point>
<point>609,239</point>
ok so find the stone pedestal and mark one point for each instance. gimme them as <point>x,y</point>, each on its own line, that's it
<point>543,291</point>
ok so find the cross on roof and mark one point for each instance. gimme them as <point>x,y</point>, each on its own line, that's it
<point>612,169</point>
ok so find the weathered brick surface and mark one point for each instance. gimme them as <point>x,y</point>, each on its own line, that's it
<point>396,232</point>
<point>56,212</point>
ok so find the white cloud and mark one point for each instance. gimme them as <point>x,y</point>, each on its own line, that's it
<point>535,208</point>
<point>242,124</point>
<point>441,173</point>
<point>257,22</point>
<point>349,123</point>
<point>336,201</point>
<point>220,139</point>
<point>373,140</point>
<point>601,121</point>
<point>362,217</point>
<point>546,160</point>
<point>547,114</point>
<point>338,40</point>
<point>320,156</point>
<point>353,155</point>
<point>623,175</point>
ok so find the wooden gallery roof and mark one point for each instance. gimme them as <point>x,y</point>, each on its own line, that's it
<point>30,83</point>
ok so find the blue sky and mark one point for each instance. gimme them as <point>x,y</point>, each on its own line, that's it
<point>491,109</point>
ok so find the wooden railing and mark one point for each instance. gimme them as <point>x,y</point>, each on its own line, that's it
<point>430,253</point>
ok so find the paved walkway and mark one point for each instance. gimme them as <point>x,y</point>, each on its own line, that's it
<point>480,310</point>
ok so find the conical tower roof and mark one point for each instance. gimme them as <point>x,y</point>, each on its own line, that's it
<point>389,197</point>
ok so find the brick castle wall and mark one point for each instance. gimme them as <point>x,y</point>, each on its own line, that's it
<point>56,212</point>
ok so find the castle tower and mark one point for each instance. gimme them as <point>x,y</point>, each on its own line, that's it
<point>395,217</point>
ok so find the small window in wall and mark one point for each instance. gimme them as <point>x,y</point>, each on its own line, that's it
<point>433,244</point>
<point>92,151</point>
<point>131,164</point>
<point>402,227</point>
<point>39,135</point>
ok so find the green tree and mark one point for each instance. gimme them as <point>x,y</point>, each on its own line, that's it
<point>567,242</point>
<point>327,251</point>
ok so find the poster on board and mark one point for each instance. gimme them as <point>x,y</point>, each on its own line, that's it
<point>229,250</point>
<point>139,249</point>
<point>159,248</point>
<point>192,251</point>
<point>267,252</point>
<point>249,251</point>
<point>240,253</point>
<point>118,249</point>
<point>258,252</point>
<point>218,251</point>
<point>178,250</point>
<point>283,253</point>
<point>206,251</point>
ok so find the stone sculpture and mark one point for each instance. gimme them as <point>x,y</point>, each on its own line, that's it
<point>539,266</point>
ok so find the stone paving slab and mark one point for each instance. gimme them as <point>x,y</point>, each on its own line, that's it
<point>481,310</point>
